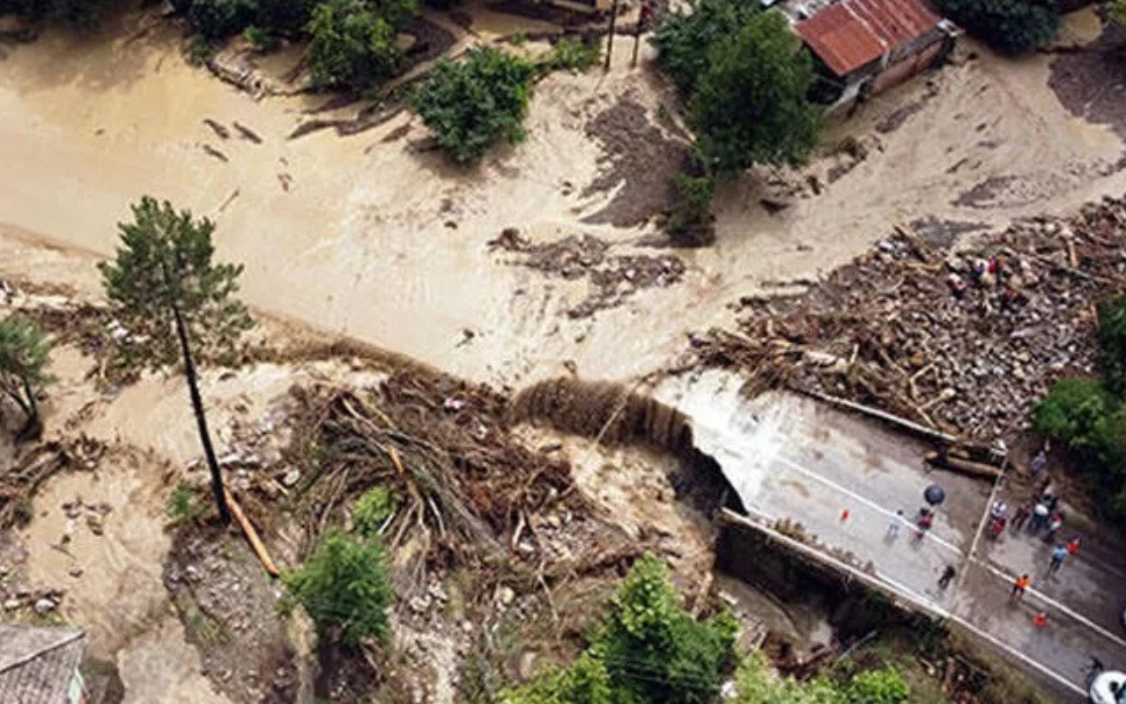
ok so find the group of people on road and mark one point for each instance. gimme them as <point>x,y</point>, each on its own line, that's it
<point>1040,516</point>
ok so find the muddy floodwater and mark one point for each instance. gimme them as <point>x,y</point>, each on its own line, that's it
<point>368,236</point>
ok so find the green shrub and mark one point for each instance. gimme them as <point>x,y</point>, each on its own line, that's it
<point>373,508</point>
<point>344,589</point>
<point>183,505</point>
<point>351,45</point>
<point>585,682</point>
<point>474,103</point>
<point>260,39</point>
<point>77,14</point>
<point>648,631</point>
<point>690,222</point>
<point>883,686</point>
<point>1081,414</point>
<point>1009,26</point>
<point>571,54</point>
<point>683,39</point>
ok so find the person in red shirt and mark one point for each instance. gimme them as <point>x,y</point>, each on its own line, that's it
<point>1073,546</point>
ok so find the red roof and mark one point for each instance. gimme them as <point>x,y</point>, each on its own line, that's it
<point>851,33</point>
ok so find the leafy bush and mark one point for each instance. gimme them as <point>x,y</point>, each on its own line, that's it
<point>648,631</point>
<point>351,45</point>
<point>585,682</point>
<point>344,589</point>
<point>1112,341</point>
<point>217,19</point>
<point>1009,26</point>
<point>883,686</point>
<point>285,16</point>
<point>750,105</point>
<point>683,39</point>
<point>372,509</point>
<point>471,104</point>
<point>690,222</point>
<point>570,54</point>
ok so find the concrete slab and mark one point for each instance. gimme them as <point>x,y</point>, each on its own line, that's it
<point>792,458</point>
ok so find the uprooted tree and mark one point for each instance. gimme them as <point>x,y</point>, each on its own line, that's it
<point>176,303</point>
<point>24,356</point>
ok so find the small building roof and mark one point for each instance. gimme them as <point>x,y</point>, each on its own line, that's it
<point>852,33</point>
<point>37,664</point>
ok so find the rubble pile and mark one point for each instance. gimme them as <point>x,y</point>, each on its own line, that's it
<point>963,341</point>
<point>612,279</point>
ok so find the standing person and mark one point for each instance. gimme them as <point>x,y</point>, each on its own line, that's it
<point>1054,527</point>
<point>1057,559</point>
<point>893,527</point>
<point>947,576</point>
<point>999,509</point>
<point>1022,514</point>
<point>1073,546</point>
<point>926,520</point>
<point>1019,586</point>
<point>1038,464</point>
<point>1040,514</point>
<point>1040,619</point>
<point>996,528</point>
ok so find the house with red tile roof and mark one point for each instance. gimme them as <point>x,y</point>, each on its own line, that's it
<point>866,46</point>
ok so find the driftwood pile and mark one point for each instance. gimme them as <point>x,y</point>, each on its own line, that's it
<point>965,342</point>
<point>468,493</point>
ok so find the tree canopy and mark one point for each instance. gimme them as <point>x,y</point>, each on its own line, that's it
<point>353,44</point>
<point>24,356</point>
<point>74,13</point>
<point>470,105</point>
<point>1009,26</point>
<point>165,263</point>
<point>344,589</point>
<point>750,105</point>
<point>683,39</point>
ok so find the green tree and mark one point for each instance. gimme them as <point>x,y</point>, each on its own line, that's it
<point>1112,342</point>
<point>1117,13</point>
<point>647,631</point>
<point>217,19</point>
<point>24,356</point>
<point>1009,26</point>
<point>472,104</point>
<point>1081,414</point>
<point>344,589</point>
<point>372,509</point>
<point>175,302</point>
<point>750,105</point>
<point>683,39</point>
<point>353,44</point>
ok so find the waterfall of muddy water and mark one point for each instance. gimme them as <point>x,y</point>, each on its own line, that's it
<point>615,414</point>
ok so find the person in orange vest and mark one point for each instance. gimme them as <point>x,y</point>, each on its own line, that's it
<point>1019,586</point>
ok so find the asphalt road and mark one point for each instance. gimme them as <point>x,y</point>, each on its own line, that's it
<point>790,457</point>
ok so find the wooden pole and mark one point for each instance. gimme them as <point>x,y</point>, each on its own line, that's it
<point>251,534</point>
<point>636,45</point>
<point>610,36</point>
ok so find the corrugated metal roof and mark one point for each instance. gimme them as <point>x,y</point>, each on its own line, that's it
<point>37,664</point>
<point>851,33</point>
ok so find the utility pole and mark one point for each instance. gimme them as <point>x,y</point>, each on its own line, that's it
<point>610,37</point>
